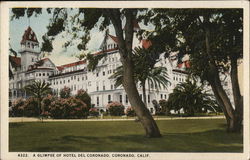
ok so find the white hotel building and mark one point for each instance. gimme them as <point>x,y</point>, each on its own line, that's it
<point>76,75</point>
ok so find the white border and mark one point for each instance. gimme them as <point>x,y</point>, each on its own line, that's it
<point>125,4</point>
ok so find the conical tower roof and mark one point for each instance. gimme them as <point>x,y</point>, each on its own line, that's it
<point>29,35</point>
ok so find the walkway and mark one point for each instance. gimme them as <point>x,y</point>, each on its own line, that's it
<point>27,119</point>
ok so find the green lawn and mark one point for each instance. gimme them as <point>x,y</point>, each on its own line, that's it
<point>178,136</point>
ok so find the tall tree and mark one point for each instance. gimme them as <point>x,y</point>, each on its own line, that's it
<point>80,25</point>
<point>145,70</point>
<point>214,40</point>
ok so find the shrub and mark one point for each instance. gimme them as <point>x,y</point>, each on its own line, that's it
<point>65,92</point>
<point>84,97</point>
<point>31,108</point>
<point>164,107</point>
<point>93,112</point>
<point>115,109</point>
<point>68,108</point>
<point>46,102</point>
<point>18,107</point>
<point>130,112</point>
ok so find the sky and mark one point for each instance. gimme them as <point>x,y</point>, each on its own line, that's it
<point>59,55</point>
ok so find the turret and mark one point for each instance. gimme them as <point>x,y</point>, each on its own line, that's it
<point>29,48</point>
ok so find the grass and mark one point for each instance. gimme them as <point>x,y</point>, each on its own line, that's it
<point>178,136</point>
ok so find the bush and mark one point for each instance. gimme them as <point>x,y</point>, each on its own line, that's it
<point>84,97</point>
<point>115,109</point>
<point>31,108</point>
<point>65,92</point>
<point>165,109</point>
<point>130,112</point>
<point>46,102</point>
<point>93,112</point>
<point>68,108</point>
<point>18,108</point>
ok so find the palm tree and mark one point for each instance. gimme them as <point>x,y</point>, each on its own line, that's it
<point>191,98</point>
<point>144,70</point>
<point>38,90</point>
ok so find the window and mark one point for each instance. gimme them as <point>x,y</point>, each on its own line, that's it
<point>78,79</point>
<point>97,86</point>
<point>109,98</point>
<point>43,74</point>
<point>103,88</point>
<point>74,87</point>
<point>120,98</point>
<point>103,73</point>
<point>63,81</point>
<point>111,87</point>
<point>161,96</point>
<point>82,78</point>
<point>60,82</point>
<point>86,78</point>
<point>165,96</point>
<point>71,77</point>
<point>47,74</point>
<point>97,101</point>
<point>126,99</point>
<point>74,77</point>
<point>68,80</point>
<point>148,98</point>
<point>40,74</point>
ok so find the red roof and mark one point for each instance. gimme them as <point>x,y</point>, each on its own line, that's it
<point>16,60</point>
<point>29,35</point>
<point>59,68</point>
<point>114,38</point>
<point>71,64</point>
<point>146,43</point>
<point>185,63</point>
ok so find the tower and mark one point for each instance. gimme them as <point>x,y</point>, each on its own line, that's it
<point>29,49</point>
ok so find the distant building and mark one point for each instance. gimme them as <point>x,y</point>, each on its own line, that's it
<point>76,75</point>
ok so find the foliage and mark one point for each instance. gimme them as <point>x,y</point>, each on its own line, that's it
<point>93,112</point>
<point>31,108</point>
<point>214,40</point>
<point>65,92</point>
<point>18,107</point>
<point>191,98</point>
<point>84,97</point>
<point>68,108</point>
<point>115,109</point>
<point>130,111</point>
<point>46,102</point>
<point>164,107</point>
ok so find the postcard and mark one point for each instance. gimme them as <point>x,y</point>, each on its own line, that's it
<point>146,80</point>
